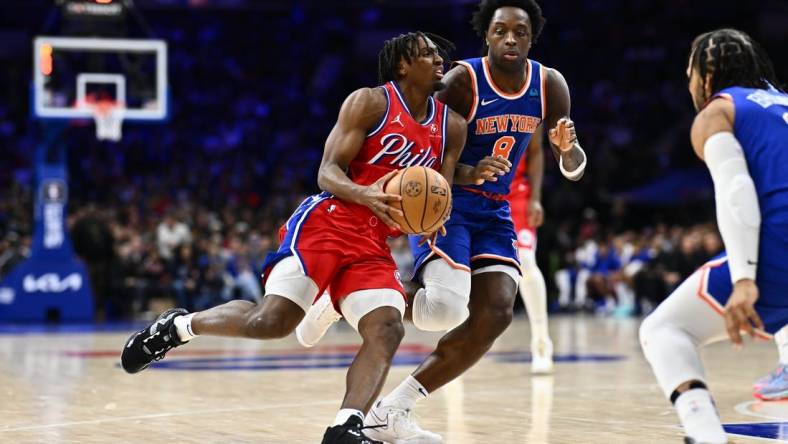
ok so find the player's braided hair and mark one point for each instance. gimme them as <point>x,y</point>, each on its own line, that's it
<point>481,18</point>
<point>732,58</point>
<point>406,46</point>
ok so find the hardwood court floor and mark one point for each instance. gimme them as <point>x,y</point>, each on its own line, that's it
<point>66,387</point>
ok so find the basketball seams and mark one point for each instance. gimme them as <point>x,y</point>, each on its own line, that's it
<point>414,185</point>
<point>426,198</point>
<point>443,212</point>
<point>404,213</point>
<point>446,207</point>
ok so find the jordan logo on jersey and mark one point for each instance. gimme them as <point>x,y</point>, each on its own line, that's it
<point>402,154</point>
<point>398,120</point>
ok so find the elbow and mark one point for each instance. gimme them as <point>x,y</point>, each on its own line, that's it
<point>322,180</point>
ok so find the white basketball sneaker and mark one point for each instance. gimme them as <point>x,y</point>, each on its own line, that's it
<point>541,356</point>
<point>395,426</point>
<point>318,320</point>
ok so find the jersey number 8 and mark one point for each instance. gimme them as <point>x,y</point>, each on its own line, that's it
<point>503,147</point>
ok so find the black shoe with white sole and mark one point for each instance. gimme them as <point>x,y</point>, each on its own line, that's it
<point>151,343</point>
<point>348,433</point>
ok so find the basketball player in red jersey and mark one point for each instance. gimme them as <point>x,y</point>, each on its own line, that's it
<point>525,201</point>
<point>337,239</point>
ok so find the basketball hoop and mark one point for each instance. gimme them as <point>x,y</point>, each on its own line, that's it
<point>108,115</point>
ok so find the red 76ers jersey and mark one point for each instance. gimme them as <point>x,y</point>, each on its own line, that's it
<point>399,141</point>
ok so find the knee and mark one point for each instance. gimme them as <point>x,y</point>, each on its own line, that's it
<point>443,303</point>
<point>491,322</point>
<point>387,333</point>
<point>438,308</point>
<point>654,334</point>
<point>645,331</point>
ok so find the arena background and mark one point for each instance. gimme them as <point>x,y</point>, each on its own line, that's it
<point>98,237</point>
<point>256,87</point>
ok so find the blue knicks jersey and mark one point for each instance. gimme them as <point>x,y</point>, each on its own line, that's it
<point>501,124</point>
<point>761,127</point>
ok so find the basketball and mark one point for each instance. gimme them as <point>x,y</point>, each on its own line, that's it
<point>425,199</point>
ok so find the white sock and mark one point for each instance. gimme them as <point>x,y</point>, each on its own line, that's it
<point>183,326</point>
<point>699,417</point>
<point>406,394</point>
<point>344,414</point>
<point>781,339</point>
<point>534,295</point>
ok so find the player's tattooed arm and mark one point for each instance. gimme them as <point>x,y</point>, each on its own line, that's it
<point>561,129</point>
<point>360,112</point>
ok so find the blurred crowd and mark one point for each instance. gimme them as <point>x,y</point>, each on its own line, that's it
<point>189,208</point>
<point>197,257</point>
<point>632,272</point>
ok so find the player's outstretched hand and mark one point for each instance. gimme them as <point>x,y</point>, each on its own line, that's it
<point>535,214</point>
<point>740,311</point>
<point>489,168</point>
<point>563,135</point>
<point>377,200</point>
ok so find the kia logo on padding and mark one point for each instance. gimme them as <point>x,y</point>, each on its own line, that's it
<point>51,283</point>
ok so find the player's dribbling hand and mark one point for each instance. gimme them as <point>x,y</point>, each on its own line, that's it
<point>489,168</point>
<point>740,311</point>
<point>535,214</point>
<point>378,200</point>
<point>563,135</point>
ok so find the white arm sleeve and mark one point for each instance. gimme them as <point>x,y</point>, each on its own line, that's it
<point>738,212</point>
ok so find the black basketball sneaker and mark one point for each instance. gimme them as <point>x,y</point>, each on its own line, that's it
<point>151,343</point>
<point>348,433</point>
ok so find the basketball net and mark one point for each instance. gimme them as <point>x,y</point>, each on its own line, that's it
<point>108,115</point>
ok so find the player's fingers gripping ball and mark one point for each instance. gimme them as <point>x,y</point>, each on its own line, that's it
<point>426,199</point>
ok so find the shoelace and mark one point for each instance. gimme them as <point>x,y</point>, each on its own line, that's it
<point>159,352</point>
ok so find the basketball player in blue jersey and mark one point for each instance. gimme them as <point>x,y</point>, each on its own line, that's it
<point>470,276</point>
<point>741,132</point>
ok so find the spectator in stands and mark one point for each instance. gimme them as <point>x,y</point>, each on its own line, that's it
<point>170,234</point>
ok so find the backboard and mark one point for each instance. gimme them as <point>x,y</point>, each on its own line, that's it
<point>73,74</point>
